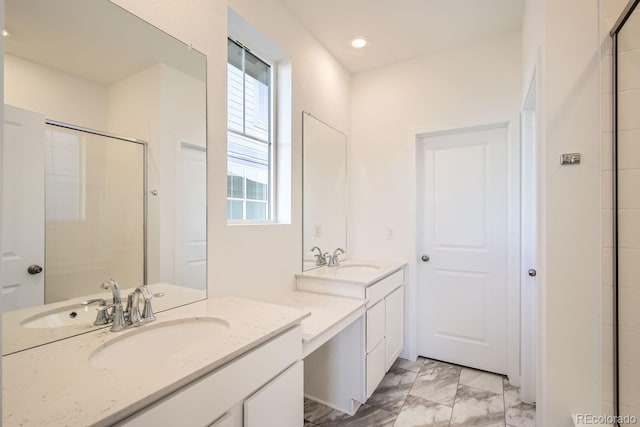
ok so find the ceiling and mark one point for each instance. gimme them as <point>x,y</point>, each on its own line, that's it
<point>398,30</point>
<point>92,39</point>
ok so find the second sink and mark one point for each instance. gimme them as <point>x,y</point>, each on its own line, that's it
<point>173,340</point>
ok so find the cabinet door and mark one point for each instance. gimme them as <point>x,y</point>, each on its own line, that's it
<point>394,325</point>
<point>375,368</point>
<point>375,326</point>
<point>279,403</point>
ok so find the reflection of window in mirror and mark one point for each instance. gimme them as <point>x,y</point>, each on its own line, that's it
<point>249,122</point>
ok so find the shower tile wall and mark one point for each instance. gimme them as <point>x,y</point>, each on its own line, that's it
<point>629,215</point>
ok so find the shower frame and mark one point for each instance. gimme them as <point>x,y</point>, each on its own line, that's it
<point>624,16</point>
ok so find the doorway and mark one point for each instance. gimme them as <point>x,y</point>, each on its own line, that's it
<point>529,251</point>
<point>464,236</point>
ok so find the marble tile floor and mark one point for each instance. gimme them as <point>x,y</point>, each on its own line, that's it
<point>429,393</point>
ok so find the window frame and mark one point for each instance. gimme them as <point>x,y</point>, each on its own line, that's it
<point>271,143</point>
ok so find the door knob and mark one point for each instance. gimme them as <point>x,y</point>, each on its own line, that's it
<point>425,258</point>
<point>34,269</point>
<point>532,272</point>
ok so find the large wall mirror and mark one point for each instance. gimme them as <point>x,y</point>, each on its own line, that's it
<point>104,166</point>
<point>324,216</point>
<point>627,215</point>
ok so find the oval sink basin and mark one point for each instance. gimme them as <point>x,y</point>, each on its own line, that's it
<point>163,342</point>
<point>359,267</point>
<point>70,315</point>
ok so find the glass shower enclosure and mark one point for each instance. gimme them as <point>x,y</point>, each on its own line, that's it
<point>626,50</point>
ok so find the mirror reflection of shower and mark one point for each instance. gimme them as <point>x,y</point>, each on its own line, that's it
<point>94,211</point>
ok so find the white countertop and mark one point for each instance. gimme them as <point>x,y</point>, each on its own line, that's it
<point>363,272</point>
<point>326,310</point>
<point>16,337</point>
<point>55,385</point>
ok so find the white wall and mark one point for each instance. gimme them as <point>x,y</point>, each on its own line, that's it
<point>565,34</point>
<point>318,85</point>
<point>476,84</point>
<point>253,260</point>
<point>37,88</point>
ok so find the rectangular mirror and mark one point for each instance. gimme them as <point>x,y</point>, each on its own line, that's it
<point>324,190</point>
<point>104,166</point>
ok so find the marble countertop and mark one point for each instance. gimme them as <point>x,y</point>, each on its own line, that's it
<point>364,272</point>
<point>55,384</point>
<point>16,337</point>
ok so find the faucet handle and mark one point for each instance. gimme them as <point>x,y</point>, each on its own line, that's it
<point>119,323</point>
<point>132,313</point>
<point>147,312</point>
<point>102,318</point>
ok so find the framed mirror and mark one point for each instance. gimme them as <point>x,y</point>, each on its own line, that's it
<point>324,190</point>
<point>104,166</point>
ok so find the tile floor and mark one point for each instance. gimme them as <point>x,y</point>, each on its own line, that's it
<point>432,394</point>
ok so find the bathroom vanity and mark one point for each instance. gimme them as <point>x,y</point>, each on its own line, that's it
<point>222,362</point>
<point>380,285</point>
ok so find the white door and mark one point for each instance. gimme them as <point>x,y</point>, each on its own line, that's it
<point>23,209</point>
<point>193,217</point>
<point>463,286</point>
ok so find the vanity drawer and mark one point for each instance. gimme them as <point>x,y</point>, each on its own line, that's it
<point>375,325</point>
<point>384,287</point>
<point>375,368</point>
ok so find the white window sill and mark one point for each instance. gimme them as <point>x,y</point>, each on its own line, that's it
<point>259,223</point>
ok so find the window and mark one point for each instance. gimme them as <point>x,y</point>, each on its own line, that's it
<point>249,150</point>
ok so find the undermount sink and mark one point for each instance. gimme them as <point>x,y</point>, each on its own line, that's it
<point>174,340</point>
<point>70,315</point>
<point>359,267</point>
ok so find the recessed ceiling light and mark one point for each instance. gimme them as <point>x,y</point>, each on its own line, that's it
<point>359,42</point>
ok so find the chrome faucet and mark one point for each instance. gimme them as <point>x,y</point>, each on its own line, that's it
<point>321,258</point>
<point>333,259</point>
<point>122,318</point>
<point>115,290</point>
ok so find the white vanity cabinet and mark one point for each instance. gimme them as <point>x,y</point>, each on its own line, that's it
<point>384,327</point>
<point>263,387</point>
<point>383,290</point>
